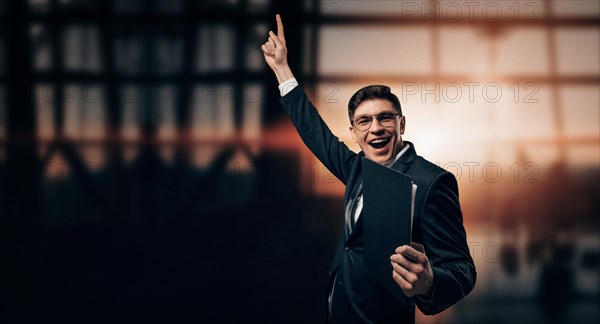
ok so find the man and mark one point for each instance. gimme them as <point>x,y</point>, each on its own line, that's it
<point>433,272</point>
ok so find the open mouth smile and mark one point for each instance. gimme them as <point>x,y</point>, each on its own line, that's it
<point>379,143</point>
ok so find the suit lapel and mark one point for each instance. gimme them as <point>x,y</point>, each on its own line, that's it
<point>353,180</point>
<point>356,179</point>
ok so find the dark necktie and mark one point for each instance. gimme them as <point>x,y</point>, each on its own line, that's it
<point>351,207</point>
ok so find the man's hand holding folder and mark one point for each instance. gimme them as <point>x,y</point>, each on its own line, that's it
<point>412,271</point>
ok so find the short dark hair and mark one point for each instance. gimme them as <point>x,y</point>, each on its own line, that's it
<point>373,92</point>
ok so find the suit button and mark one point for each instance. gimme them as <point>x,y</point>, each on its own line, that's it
<point>346,248</point>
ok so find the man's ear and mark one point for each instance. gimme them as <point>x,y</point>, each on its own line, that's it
<point>352,134</point>
<point>402,125</point>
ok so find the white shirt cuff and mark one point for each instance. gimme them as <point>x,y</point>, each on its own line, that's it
<point>288,85</point>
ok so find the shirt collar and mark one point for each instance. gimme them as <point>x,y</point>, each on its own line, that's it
<point>404,149</point>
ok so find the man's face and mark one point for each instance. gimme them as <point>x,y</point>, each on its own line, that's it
<point>379,143</point>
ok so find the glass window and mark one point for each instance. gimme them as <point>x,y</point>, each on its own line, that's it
<point>129,51</point>
<point>578,51</point>
<point>214,48</point>
<point>212,111</point>
<point>44,94</point>
<point>580,111</point>
<point>41,47</point>
<point>168,53</point>
<point>371,50</point>
<point>130,97</point>
<point>254,38</point>
<point>464,51</point>
<point>524,111</point>
<point>166,101</point>
<point>343,7</point>
<point>84,111</point>
<point>81,48</point>
<point>575,8</point>
<point>253,102</point>
<point>522,51</point>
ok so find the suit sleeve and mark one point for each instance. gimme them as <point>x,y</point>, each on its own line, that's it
<point>333,153</point>
<point>446,247</point>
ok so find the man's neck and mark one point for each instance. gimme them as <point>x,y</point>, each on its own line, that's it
<point>403,148</point>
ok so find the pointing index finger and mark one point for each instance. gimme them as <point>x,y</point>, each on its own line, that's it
<point>279,26</point>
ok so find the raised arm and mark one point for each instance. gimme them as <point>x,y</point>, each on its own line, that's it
<point>334,154</point>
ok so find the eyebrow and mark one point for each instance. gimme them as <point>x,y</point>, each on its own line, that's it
<point>381,112</point>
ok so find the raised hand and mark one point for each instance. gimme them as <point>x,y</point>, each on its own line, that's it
<point>275,52</point>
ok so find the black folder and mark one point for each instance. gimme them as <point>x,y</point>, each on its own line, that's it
<point>387,210</point>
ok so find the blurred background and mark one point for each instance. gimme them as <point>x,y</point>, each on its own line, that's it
<point>148,173</point>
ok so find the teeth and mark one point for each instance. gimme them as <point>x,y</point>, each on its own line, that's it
<point>379,140</point>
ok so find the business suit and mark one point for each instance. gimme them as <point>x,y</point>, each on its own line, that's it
<point>358,297</point>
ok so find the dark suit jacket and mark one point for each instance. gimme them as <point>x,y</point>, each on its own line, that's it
<point>358,296</point>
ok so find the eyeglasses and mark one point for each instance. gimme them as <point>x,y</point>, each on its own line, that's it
<point>386,119</point>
